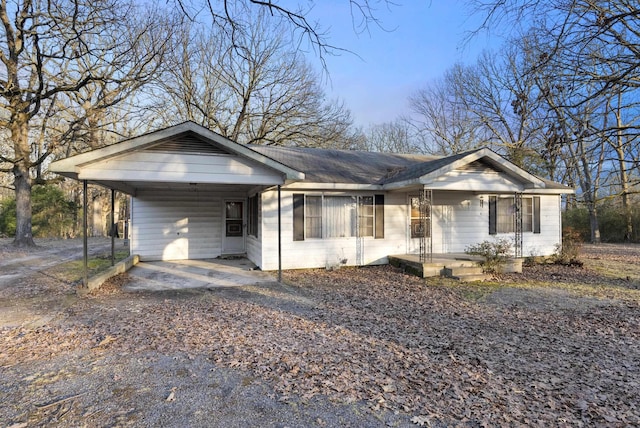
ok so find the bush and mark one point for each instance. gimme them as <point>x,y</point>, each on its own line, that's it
<point>53,215</point>
<point>569,252</point>
<point>495,253</point>
<point>611,220</point>
<point>577,220</point>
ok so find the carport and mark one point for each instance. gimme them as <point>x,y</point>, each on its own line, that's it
<point>190,190</point>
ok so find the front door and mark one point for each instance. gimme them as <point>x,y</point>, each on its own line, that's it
<point>233,238</point>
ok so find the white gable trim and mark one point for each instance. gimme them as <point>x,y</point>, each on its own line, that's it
<point>75,164</point>
<point>530,181</point>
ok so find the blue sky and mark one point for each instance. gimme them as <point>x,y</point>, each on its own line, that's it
<point>427,38</point>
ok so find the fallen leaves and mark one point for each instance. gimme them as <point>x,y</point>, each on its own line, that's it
<point>500,356</point>
<point>172,395</point>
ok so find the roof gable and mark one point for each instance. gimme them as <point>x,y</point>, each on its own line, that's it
<point>480,160</point>
<point>187,137</point>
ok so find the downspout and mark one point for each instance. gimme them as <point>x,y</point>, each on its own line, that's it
<point>279,236</point>
<point>85,252</point>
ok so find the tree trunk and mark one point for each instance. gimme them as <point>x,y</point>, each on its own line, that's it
<point>22,183</point>
<point>593,222</point>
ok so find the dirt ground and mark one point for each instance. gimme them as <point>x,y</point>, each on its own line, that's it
<point>555,346</point>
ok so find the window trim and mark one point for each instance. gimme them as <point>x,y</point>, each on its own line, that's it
<point>300,215</point>
<point>494,224</point>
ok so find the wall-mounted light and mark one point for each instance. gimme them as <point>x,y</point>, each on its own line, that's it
<point>481,201</point>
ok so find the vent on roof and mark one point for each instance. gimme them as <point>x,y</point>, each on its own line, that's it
<point>188,144</point>
<point>477,166</point>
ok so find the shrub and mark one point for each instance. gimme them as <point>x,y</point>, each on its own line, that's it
<point>569,252</point>
<point>577,219</point>
<point>495,253</point>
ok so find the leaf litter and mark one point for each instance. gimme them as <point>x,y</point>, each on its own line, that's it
<point>444,354</point>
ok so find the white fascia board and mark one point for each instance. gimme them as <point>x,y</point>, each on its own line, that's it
<point>333,186</point>
<point>568,191</point>
<point>398,185</point>
<point>75,163</point>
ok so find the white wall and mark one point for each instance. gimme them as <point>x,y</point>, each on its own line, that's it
<point>188,225</point>
<point>460,219</point>
<point>185,168</point>
<point>174,225</point>
<point>254,245</point>
<point>312,253</point>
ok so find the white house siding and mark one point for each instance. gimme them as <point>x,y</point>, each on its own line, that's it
<point>461,219</point>
<point>458,220</point>
<point>172,225</point>
<point>312,253</point>
<point>545,243</point>
<point>254,244</point>
<point>152,166</point>
<point>476,181</point>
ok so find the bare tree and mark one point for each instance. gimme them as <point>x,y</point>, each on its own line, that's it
<point>393,137</point>
<point>252,87</point>
<point>306,32</point>
<point>52,50</point>
<point>441,119</point>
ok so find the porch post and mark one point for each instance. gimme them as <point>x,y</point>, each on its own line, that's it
<point>279,236</point>
<point>85,252</point>
<point>111,228</point>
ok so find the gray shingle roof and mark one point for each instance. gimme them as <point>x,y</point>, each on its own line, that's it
<point>357,167</point>
<point>344,166</point>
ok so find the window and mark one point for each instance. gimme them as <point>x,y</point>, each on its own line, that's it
<point>313,217</point>
<point>316,216</point>
<point>252,221</point>
<point>340,216</point>
<point>502,212</point>
<point>365,215</point>
<point>506,215</point>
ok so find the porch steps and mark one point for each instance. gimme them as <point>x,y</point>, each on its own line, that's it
<point>449,267</point>
<point>465,273</point>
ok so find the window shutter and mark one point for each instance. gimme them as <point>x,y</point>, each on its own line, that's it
<point>536,214</point>
<point>379,207</point>
<point>298,217</point>
<point>493,214</point>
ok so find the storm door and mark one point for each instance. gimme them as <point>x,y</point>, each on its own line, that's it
<point>233,239</point>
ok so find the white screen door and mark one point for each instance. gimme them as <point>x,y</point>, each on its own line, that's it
<point>233,230</point>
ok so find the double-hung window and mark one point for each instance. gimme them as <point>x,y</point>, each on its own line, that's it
<point>329,216</point>
<point>503,211</point>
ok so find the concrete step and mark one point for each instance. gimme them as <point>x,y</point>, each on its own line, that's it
<point>459,271</point>
<point>471,277</point>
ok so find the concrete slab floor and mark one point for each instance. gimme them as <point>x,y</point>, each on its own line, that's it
<point>188,274</point>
